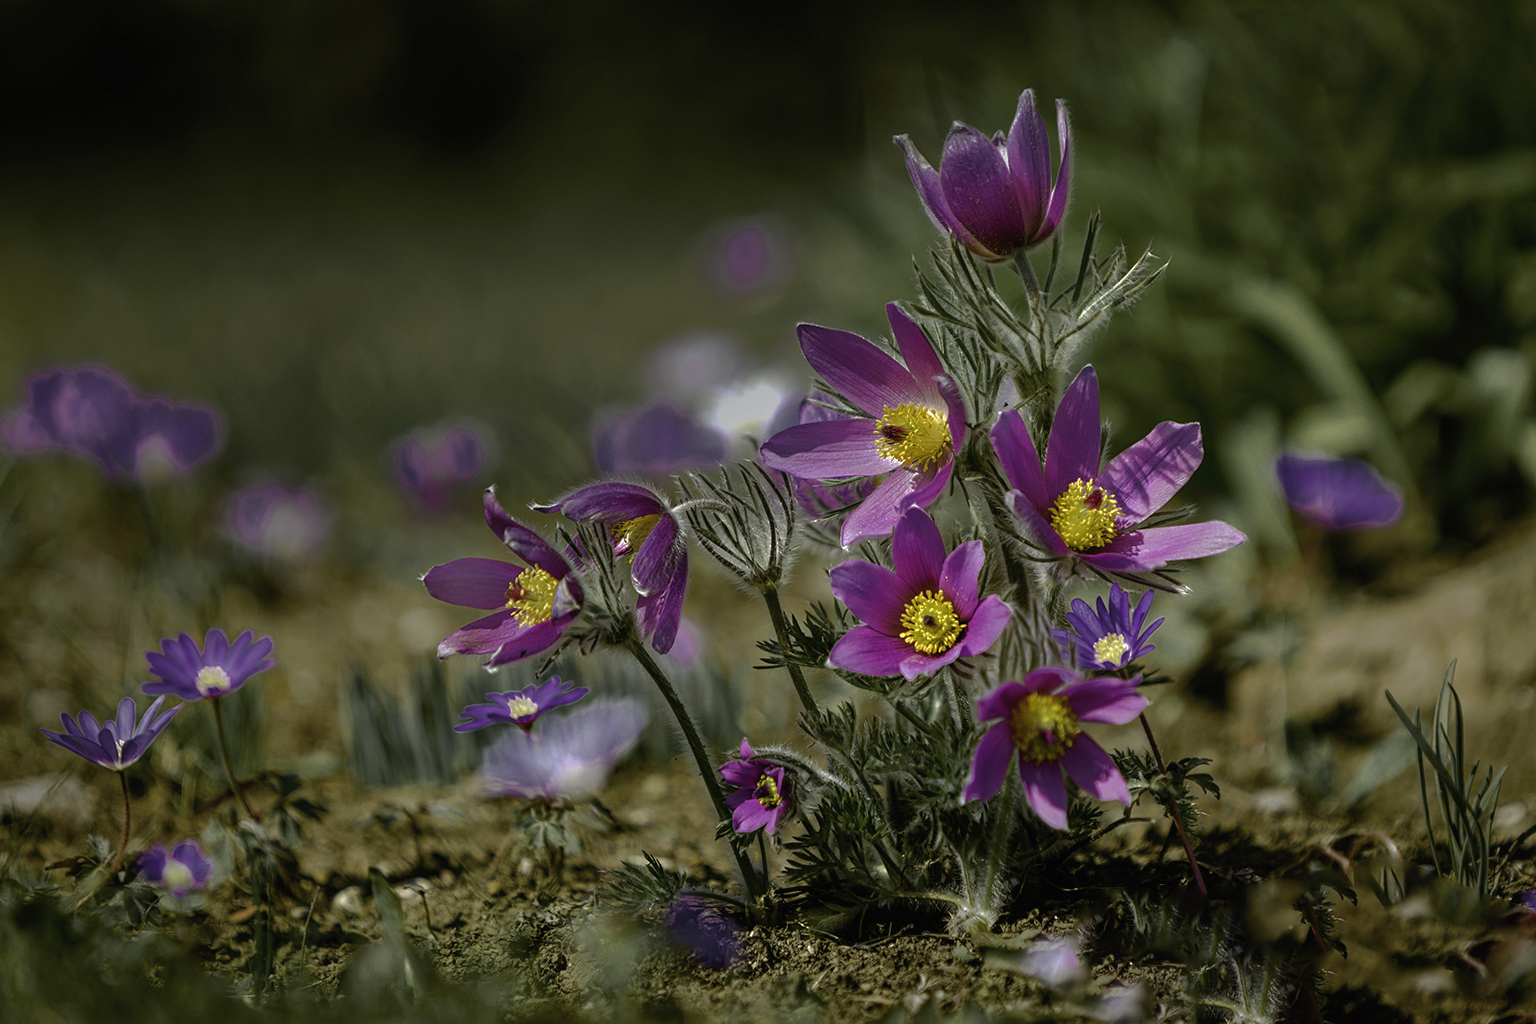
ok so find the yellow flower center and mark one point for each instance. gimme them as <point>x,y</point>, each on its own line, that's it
<point>767,792</point>
<point>631,533</point>
<point>913,435</point>
<point>929,623</point>
<point>1084,516</point>
<point>1110,648</point>
<point>521,707</point>
<point>1044,728</point>
<point>531,596</point>
<point>212,681</point>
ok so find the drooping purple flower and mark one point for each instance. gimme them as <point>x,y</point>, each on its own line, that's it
<point>995,195</point>
<point>922,616</point>
<point>765,791</point>
<point>1338,494</point>
<point>181,870</point>
<point>701,925</point>
<point>430,464</point>
<point>1082,514</point>
<point>1042,719</point>
<point>278,521</point>
<point>216,670</point>
<point>643,529</point>
<point>521,707</point>
<point>569,757</point>
<point>915,424</point>
<point>115,743</point>
<point>535,603</point>
<point>659,439</point>
<point>92,412</point>
<point>1110,636</point>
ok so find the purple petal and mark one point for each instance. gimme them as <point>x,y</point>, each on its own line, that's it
<point>483,636</point>
<point>960,577</point>
<point>869,652</point>
<point>916,351</point>
<point>878,514</point>
<point>873,593</point>
<point>656,564</point>
<point>245,657</point>
<point>1046,792</point>
<point>1063,187</point>
<point>1021,463</point>
<point>954,405</point>
<point>1156,546</point>
<point>741,773</point>
<point>526,641</point>
<point>1035,523</point>
<point>152,863</point>
<point>857,370</point>
<point>523,542</point>
<point>215,647</point>
<point>1029,162</point>
<point>985,627</point>
<point>661,613</point>
<point>1338,494</point>
<point>750,816</point>
<point>1074,448</point>
<point>999,703</point>
<point>917,549</point>
<point>1093,770</point>
<point>1049,679</point>
<point>1105,699</point>
<point>974,178</point>
<point>827,450</point>
<point>1151,471</point>
<point>929,189</point>
<point>472,582</point>
<point>989,766</point>
<point>917,664</point>
<point>613,501</point>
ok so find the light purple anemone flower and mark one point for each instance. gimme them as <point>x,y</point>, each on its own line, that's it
<point>765,791</point>
<point>644,529</point>
<point>1110,636</point>
<point>521,707</point>
<point>569,757</point>
<point>182,870</point>
<point>115,743</point>
<point>535,604</point>
<point>92,412</point>
<point>1042,718</point>
<point>995,195</point>
<point>430,464</point>
<point>1084,515</point>
<point>277,521</point>
<point>659,439</point>
<point>1338,494</point>
<point>216,670</point>
<point>915,424</point>
<point>922,616</point>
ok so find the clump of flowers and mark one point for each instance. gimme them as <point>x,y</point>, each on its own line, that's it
<point>1107,636</point>
<point>1338,494</point>
<point>521,707</point>
<point>182,870</point>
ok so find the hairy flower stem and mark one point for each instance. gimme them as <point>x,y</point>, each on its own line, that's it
<point>636,646</point>
<point>229,762</point>
<point>1026,271</point>
<point>1173,811</point>
<point>997,842</point>
<point>781,630</point>
<point>127,824</point>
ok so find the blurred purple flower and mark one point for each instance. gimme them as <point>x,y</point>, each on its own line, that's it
<point>924,615</point>
<point>430,464</point>
<point>1120,1002</point>
<point>521,707</point>
<point>1110,636</point>
<point>180,871</point>
<point>1042,719</point>
<point>688,645</point>
<point>701,925</point>
<point>694,366</point>
<point>569,757</point>
<point>1338,494</point>
<point>1054,963</point>
<point>643,528</point>
<point>915,424</point>
<point>1082,514</point>
<point>91,412</point>
<point>765,791</point>
<point>217,670</point>
<point>535,604</point>
<point>995,195</point>
<point>272,519</point>
<point>749,259</point>
<point>115,743</point>
<point>659,439</point>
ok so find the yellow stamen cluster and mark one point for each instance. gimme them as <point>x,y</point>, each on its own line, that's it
<point>531,596</point>
<point>1110,648</point>
<point>521,707</point>
<point>1084,516</point>
<point>767,792</point>
<point>929,623</point>
<point>913,435</point>
<point>1044,728</point>
<point>631,533</point>
<point>212,681</point>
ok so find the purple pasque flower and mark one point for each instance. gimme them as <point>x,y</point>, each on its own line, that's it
<point>1110,636</point>
<point>702,926</point>
<point>644,529</point>
<point>431,463</point>
<point>915,423</point>
<point>115,743</point>
<point>93,412</point>
<point>1082,514</point>
<point>216,670</point>
<point>569,757</point>
<point>995,195</point>
<point>182,870</point>
<point>535,603</point>
<point>1042,718</point>
<point>1338,494</point>
<point>521,707</point>
<point>922,616</point>
<point>659,439</point>
<point>278,521</point>
<point>765,791</point>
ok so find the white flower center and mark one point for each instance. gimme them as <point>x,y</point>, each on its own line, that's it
<point>212,681</point>
<point>521,707</point>
<point>177,876</point>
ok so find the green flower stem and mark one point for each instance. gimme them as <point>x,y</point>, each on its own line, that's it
<point>1173,811</point>
<point>997,842</point>
<point>229,763</point>
<point>636,646</point>
<point>1027,274</point>
<point>781,629</point>
<point>127,825</point>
